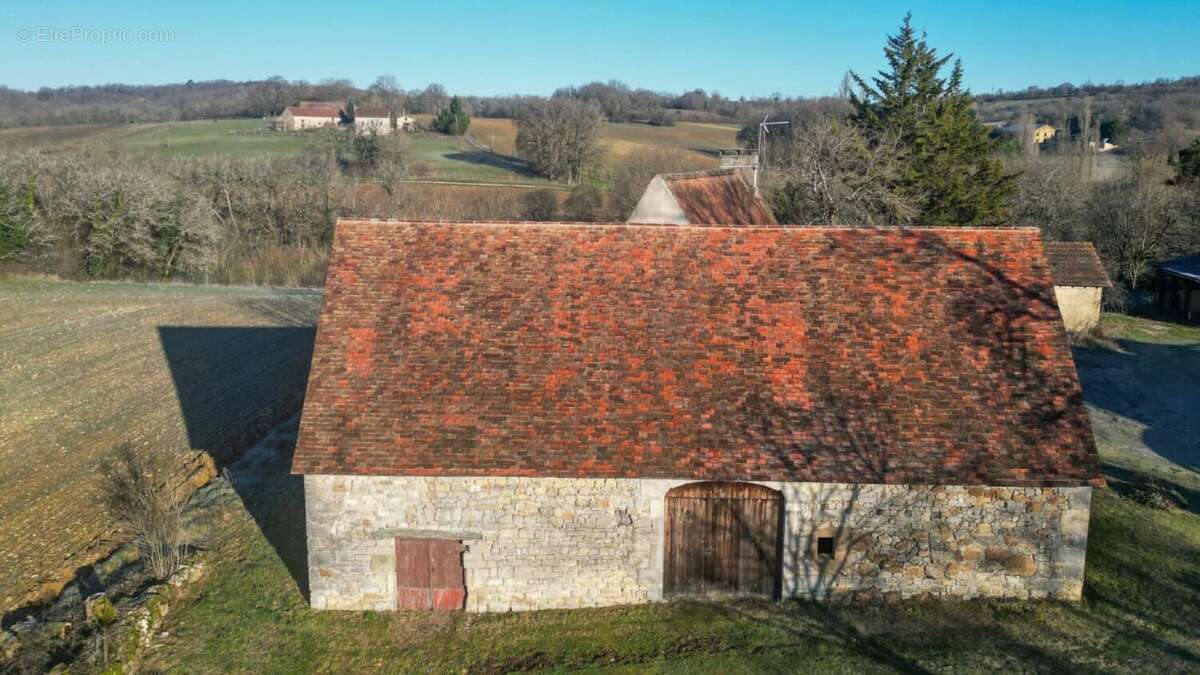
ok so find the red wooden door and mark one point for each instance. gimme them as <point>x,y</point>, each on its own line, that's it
<point>429,574</point>
<point>722,539</point>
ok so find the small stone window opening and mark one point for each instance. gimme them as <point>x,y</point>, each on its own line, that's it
<point>825,547</point>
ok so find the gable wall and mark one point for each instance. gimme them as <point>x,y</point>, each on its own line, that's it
<point>1080,306</point>
<point>538,543</point>
<point>658,205</point>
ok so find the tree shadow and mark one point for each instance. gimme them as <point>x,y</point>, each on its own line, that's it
<point>498,161</point>
<point>1154,385</point>
<point>234,385</point>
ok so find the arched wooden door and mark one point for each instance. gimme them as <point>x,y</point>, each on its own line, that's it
<point>722,539</point>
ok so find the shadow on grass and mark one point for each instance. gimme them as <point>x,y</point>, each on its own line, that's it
<point>504,162</point>
<point>1154,385</point>
<point>234,385</point>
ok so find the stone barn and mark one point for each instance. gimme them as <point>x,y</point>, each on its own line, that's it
<point>377,120</point>
<point>310,116</point>
<point>701,198</point>
<point>1079,282</point>
<point>517,416</point>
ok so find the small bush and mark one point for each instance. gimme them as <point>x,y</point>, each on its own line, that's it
<point>585,203</point>
<point>139,494</point>
<point>539,205</point>
<point>1154,494</point>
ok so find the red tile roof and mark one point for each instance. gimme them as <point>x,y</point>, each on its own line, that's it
<point>374,113</point>
<point>1076,263</point>
<point>313,111</point>
<point>929,356</point>
<point>718,197</point>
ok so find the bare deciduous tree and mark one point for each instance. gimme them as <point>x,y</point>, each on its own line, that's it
<point>827,172</point>
<point>1133,222</point>
<point>558,137</point>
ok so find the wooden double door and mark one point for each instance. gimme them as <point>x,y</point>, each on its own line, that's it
<point>722,539</point>
<point>429,574</point>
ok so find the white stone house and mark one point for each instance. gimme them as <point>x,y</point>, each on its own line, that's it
<point>372,120</point>
<point>305,117</point>
<point>519,416</point>
<point>1079,282</point>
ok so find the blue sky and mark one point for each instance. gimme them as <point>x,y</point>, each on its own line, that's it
<point>738,47</point>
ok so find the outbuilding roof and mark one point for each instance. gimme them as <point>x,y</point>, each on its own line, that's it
<point>1076,263</point>
<point>1187,267</point>
<point>921,356</point>
<point>718,197</point>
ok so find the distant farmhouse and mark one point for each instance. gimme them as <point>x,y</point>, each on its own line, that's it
<point>376,120</point>
<point>310,115</point>
<point>701,198</point>
<point>520,416</point>
<point>1179,287</point>
<point>1041,133</point>
<point>1079,282</point>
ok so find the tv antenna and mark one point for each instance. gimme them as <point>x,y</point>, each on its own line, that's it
<point>764,129</point>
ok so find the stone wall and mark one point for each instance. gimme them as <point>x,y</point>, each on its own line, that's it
<point>535,543</point>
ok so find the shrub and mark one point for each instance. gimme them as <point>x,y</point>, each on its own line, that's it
<point>139,495</point>
<point>539,205</point>
<point>584,203</point>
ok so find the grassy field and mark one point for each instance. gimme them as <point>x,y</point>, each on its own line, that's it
<point>431,156</point>
<point>234,138</point>
<point>616,140</point>
<point>1139,613</point>
<point>86,366</point>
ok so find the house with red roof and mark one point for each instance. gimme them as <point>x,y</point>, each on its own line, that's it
<point>372,120</point>
<point>701,198</point>
<point>310,115</point>
<point>520,416</point>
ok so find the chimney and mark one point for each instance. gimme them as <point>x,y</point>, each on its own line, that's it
<point>745,161</point>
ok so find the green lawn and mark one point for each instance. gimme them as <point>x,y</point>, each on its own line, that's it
<point>233,138</point>
<point>1139,613</point>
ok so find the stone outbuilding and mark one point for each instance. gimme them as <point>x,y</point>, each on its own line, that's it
<point>519,416</point>
<point>1079,282</point>
<point>701,198</point>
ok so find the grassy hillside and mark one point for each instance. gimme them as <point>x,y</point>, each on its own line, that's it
<point>84,367</point>
<point>431,156</point>
<point>1141,598</point>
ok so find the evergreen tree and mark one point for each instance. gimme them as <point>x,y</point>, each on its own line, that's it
<point>949,170</point>
<point>1189,162</point>
<point>453,119</point>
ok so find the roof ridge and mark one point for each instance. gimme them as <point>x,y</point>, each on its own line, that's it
<point>705,173</point>
<point>617,223</point>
